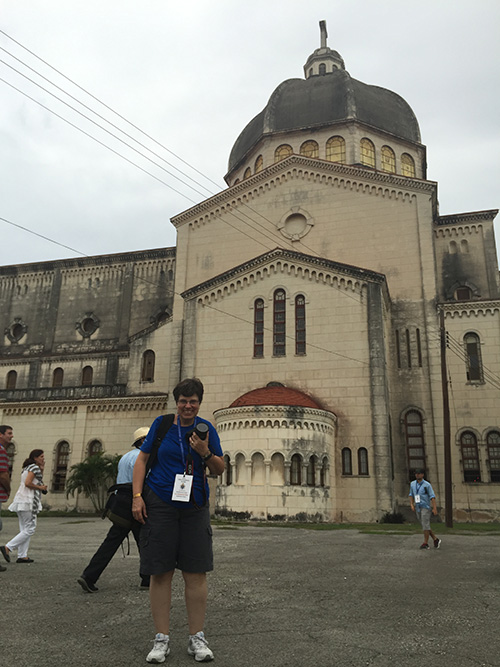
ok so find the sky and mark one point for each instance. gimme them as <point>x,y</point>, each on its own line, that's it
<point>191,75</point>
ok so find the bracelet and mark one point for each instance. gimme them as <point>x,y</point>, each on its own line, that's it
<point>137,495</point>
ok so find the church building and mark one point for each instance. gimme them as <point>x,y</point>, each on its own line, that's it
<point>307,297</point>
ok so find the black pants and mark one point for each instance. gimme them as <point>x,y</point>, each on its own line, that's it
<point>107,550</point>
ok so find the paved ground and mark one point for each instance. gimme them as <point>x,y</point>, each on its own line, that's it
<point>277,597</point>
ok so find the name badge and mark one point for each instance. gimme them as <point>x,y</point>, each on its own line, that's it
<point>417,498</point>
<point>182,488</point>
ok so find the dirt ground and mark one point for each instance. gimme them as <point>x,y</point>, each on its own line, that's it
<point>278,596</point>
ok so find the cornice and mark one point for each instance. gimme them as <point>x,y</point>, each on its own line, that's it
<point>89,261</point>
<point>461,218</point>
<point>274,416</point>
<point>59,358</point>
<point>286,256</point>
<point>126,404</point>
<point>298,166</point>
<point>150,329</point>
<point>475,308</point>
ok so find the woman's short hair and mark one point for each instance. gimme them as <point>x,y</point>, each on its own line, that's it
<point>34,454</point>
<point>189,387</point>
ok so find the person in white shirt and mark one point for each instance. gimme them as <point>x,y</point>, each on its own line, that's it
<point>116,534</point>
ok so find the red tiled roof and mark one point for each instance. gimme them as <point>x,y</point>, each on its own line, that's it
<point>275,396</point>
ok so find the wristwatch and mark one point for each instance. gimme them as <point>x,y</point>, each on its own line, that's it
<point>207,456</point>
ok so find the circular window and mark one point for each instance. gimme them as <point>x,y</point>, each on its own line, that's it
<point>295,224</point>
<point>16,330</point>
<point>87,325</point>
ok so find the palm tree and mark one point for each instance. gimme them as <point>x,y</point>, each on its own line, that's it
<point>92,477</point>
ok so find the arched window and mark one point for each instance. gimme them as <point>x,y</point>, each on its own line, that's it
<point>415,445</point>
<point>148,366</point>
<point>309,149</point>
<point>11,380</point>
<point>282,152</point>
<point>388,160</point>
<point>493,442</point>
<point>258,328</point>
<point>259,164</point>
<point>453,248</point>
<point>279,323</point>
<point>57,377</point>
<point>296,470</point>
<point>335,149</point>
<point>367,153</point>
<point>248,173</point>
<point>258,469</point>
<point>95,447</point>
<point>322,69</point>
<point>470,457</point>
<point>227,474</point>
<point>346,461</point>
<point>464,247</point>
<point>362,461</point>
<point>277,471</point>
<point>323,479</point>
<point>473,357</point>
<point>236,181</point>
<point>87,375</point>
<point>463,293</point>
<point>407,165</point>
<point>300,324</point>
<point>61,467</point>
<point>311,471</point>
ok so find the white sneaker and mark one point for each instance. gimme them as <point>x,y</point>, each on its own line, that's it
<point>198,646</point>
<point>160,649</point>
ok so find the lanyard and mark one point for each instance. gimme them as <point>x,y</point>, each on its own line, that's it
<point>417,487</point>
<point>187,462</point>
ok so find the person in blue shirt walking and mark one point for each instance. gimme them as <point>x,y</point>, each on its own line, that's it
<point>116,534</point>
<point>422,497</point>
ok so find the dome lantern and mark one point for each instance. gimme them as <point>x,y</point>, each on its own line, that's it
<point>323,60</point>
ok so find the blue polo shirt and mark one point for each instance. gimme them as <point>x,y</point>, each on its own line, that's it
<point>425,491</point>
<point>171,461</point>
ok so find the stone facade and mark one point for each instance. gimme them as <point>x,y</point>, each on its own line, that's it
<point>322,277</point>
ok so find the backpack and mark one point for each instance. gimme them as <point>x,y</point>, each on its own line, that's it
<point>118,508</point>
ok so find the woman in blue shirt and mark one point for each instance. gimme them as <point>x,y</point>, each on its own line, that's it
<point>173,506</point>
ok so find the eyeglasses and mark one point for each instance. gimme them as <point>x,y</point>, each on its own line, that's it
<point>182,402</point>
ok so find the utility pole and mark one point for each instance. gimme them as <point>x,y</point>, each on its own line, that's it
<point>448,495</point>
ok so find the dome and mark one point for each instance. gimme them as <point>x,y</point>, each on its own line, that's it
<point>327,96</point>
<point>275,395</point>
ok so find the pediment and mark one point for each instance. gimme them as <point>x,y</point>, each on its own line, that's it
<point>284,262</point>
<point>298,167</point>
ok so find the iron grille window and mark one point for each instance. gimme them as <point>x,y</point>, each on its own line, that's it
<point>258,328</point>
<point>415,445</point>
<point>493,442</point>
<point>300,324</point>
<point>335,149</point>
<point>95,447</point>
<point>470,457</point>
<point>279,323</point>
<point>61,467</point>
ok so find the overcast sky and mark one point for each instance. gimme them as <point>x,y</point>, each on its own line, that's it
<point>192,75</point>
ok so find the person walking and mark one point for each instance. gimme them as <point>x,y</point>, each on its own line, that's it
<point>172,503</point>
<point>6,435</point>
<point>116,534</point>
<point>27,504</point>
<point>422,497</point>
